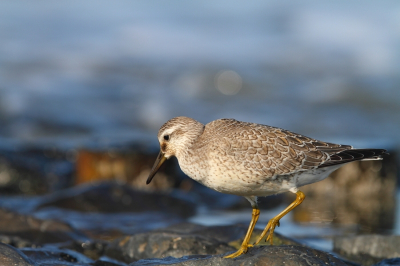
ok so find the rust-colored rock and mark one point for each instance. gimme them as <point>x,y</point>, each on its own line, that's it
<point>127,167</point>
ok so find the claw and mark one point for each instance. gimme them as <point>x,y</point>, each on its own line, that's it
<point>270,229</point>
<point>241,251</point>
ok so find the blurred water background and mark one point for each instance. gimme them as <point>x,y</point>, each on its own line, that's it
<point>97,74</point>
<point>72,72</point>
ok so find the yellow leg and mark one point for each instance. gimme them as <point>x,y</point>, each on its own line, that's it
<point>275,221</point>
<point>245,244</point>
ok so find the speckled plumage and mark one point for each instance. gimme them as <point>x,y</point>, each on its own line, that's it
<point>252,160</point>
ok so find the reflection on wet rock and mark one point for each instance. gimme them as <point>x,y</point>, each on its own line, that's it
<point>359,193</point>
<point>389,262</point>
<point>55,256</point>
<point>10,256</point>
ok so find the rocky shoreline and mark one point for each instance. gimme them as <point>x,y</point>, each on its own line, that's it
<point>114,222</point>
<point>27,240</point>
<point>185,244</point>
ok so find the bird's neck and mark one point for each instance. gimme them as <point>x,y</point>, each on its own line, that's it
<point>189,148</point>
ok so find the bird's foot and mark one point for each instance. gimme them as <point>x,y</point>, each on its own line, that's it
<point>242,250</point>
<point>270,230</point>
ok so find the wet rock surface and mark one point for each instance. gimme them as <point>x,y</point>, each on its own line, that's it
<point>35,170</point>
<point>263,255</point>
<point>54,256</point>
<point>104,210</point>
<point>179,244</point>
<point>191,244</point>
<point>115,198</point>
<point>10,256</point>
<point>368,249</point>
<point>389,262</point>
<point>176,241</point>
<point>26,231</point>
<point>184,239</point>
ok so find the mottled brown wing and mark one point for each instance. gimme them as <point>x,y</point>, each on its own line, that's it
<point>270,150</point>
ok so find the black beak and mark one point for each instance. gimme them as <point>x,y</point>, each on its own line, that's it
<point>159,161</point>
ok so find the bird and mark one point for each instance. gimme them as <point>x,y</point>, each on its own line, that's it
<point>252,160</point>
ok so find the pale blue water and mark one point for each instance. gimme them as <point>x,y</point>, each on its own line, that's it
<point>74,73</point>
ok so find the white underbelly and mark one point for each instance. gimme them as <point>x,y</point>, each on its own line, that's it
<point>245,185</point>
<point>245,182</point>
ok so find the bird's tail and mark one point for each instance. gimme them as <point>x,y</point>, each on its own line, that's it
<point>351,155</point>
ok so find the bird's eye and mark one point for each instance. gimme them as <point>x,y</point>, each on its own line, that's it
<point>166,137</point>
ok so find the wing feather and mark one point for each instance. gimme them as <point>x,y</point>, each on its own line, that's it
<point>275,151</point>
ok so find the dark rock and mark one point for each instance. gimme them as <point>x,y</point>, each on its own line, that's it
<point>104,211</point>
<point>10,256</point>
<point>34,170</point>
<point>264,255</point>
<point>105,261</point>
<point>115,198</point>
<point>14,222</point>
<point>368,249</point>
<point>54,256</point>
<point>172,260</point>
<point>92,249</point>
<point>26,231</point>
<point>16,241</point>
<point>389,262</point>
<point>181,240</point>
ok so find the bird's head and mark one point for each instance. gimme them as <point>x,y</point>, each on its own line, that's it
<point>175,137</point>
